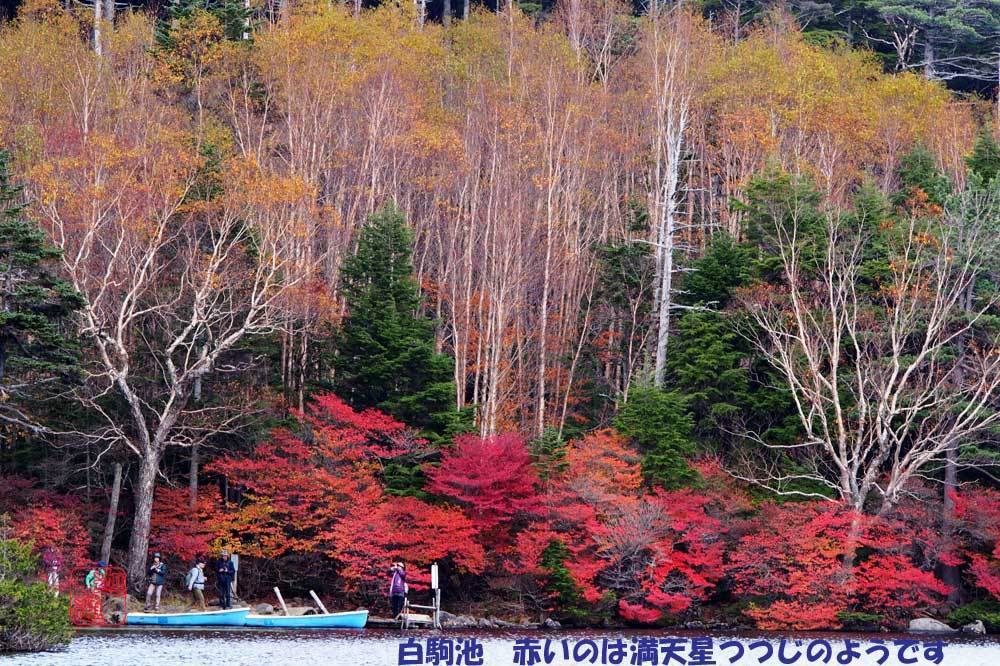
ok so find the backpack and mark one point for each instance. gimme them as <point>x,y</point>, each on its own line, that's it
<point>189,578</point>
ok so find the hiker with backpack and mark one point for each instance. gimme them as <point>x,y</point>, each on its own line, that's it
<point>195,583</point>
<point>95,578</point>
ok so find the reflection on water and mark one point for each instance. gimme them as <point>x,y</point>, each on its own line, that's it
<point>380,647</point>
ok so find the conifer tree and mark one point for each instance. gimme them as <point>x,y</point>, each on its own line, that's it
<point>34,308</point>
<point>727,386</point>
<point>233,15</point>
<point>984,162</point>
<point>386,356</point>
<point>659,423</point>
<point>918,171</point>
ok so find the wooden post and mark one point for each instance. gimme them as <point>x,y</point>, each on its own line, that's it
<point>319,603</point>
<point>281,601</point>
<point>236,573</point>
<point>436,591</point>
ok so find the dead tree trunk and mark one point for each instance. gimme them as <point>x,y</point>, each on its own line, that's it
<point>193,478</point>
<point>109,523</point>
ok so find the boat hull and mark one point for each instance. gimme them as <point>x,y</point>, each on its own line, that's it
<point>344,620</point>
<point>234,617</point>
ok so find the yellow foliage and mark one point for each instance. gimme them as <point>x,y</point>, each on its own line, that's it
<point>507,147</point>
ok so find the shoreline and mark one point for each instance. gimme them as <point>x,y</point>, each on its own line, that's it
<point>564,631</point>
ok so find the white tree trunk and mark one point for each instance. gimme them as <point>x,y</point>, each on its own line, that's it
<point>98,7</point>
<point>671,97</point>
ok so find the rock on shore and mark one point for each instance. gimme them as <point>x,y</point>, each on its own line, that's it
<point>976,628</point>
<point>452,621</point>
<point>930,626</point>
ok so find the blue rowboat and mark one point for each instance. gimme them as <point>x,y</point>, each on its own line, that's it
<point>345,620</point>
<point>234,617</point>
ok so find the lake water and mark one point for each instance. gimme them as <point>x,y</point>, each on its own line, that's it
<point>382,648</point>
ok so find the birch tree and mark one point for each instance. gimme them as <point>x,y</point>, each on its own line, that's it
<point>870,362</point>
<point>671,48</point>
<point>170,289</point>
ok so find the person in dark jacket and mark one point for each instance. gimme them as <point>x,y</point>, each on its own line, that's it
<point>225,571</point>
<point>157,575</point>
<point>397,588</point>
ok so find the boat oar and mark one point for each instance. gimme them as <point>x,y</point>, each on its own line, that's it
<point>319,603</point>
<point>281,601</point>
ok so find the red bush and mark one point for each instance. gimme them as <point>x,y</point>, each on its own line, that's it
<point>805,563</point>
<point>978,510</point>
<point>317,492</point>
<point>492,477</point>
<point>177,530</point>
<point>54,523</point>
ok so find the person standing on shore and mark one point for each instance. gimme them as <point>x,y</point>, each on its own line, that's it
<point>225,571</point>
<point>157,576</point>
<point>397,588</point>
<point>52,563</point>
<point>196,584</point>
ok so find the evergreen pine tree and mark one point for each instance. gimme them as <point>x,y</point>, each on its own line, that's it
<point>726,385</point>
<point>984,162</point>
<point>35,350</point>
<point>726,266</point>
<point>233,16</point>
<point>559,582</point>
<point>386,356</point>
<point>918,172</point>
<point>660,425</point>
<point>780,204</point>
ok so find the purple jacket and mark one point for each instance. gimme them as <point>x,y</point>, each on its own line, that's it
<point>398,585</point>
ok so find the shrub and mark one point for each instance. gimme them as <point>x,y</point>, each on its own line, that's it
<point>793,563</point>
<point>31,617</point>
<point>859,620</point>
<point>987,610</point>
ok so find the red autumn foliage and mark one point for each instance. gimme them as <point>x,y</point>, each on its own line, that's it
<point>177,530</point>
<point>795,565</point>
<point>600,478</point>
<point>492,477</point>
<point>317,492</point>
<point>419,533</point>
<point>296,487</point>
<point>529,545</point>
<point>978,510</point>
<point>656,554</point>
<point>662,555</point>
<point>53,522</point>
<point>601,470</point>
